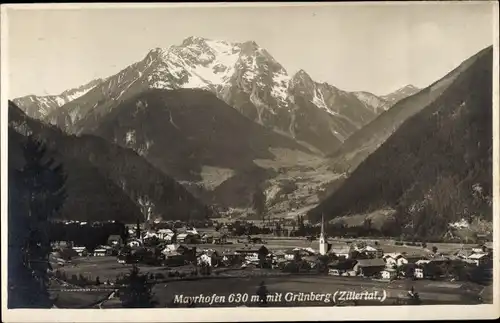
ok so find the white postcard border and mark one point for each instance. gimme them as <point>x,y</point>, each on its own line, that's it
<point>423,312</point>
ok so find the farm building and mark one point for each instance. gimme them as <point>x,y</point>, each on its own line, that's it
<point>372,252</point>
<point>369,267</point>
<point>479,259</point>
<point>100,252</point>
<point>340,251</point>
<point>188,238</point>
<point>389,273</point>
<point>81,251</point>
<point>419,273</point>
<point>395,259</point>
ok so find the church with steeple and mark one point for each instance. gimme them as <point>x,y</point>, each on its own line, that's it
<point>323,244</point>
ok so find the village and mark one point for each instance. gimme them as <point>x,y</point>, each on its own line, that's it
<point>167,251</point>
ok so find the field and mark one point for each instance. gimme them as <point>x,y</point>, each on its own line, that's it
<point>237,281</point>
<point>431,292</point>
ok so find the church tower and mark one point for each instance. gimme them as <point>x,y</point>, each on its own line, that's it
<point>323,245</point>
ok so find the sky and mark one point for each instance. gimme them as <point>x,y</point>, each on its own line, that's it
<point>369,47</point>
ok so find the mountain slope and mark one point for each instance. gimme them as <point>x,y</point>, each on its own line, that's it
<point>39,107</point>
<point>361,144</point>
<point>243,75</point>
<point>437,166</point>
<point>378,104</point>
<point>400,94</point>
<point>105,181</point>
<point>187,132</point>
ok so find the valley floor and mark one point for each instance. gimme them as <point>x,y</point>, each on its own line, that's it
<point>246,281</point>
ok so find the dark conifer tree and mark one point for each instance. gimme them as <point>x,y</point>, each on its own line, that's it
<point>136,292</point>
<point>259,203</point>
<point>37,193</point>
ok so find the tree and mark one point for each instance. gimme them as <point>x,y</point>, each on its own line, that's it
<point>262,292</point>
<point>147,208</point>
<point>367,224</point>
<point>82,281</point>
<point>259,203</point>
<point>124,234</point>
<point>138,229</point>
<point>37,193</point>
<point>322,265</point>
<point>136,292</point>
<point>262,252</point>
<point>302,228</point>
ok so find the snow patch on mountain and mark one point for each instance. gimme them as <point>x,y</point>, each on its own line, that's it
<point>130,137</point>
<point>372,101</point>
<point>281,81</point>
<point>319,101</point>
<point>40,107</point>
<point>400,94</point>
<point>77,94</point>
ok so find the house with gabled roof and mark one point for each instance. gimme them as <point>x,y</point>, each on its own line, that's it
<point>369,267</point>
<point>342,251</point>
<point>479,258</point>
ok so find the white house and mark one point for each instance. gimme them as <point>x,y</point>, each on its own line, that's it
<point>340,251</point>
<point>151,234</point>
<point>182,237</point>
<point>81,251</point>
<point>134,243</point>
<point>478,250</point>
<point>252,257</point>
<point>204,259</point>
<point>163,233</point>
<point>368,249</point>
<point>394,259</point>
<point>192,231</point>
<point>478,258</point>
<point>389,273</point>
<point>375,252</point>
<point>289,254</point>
<point>100,252</point>
<point>279,254</point>
<point>419,273</point>
<point>170,248</point>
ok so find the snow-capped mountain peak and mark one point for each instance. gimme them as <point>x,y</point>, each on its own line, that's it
<point>244,75</point>
<point>401,93</point>
<point>373,101</point>
<point>410,88</point>
<point>196,63</point>
<point>40,107</point>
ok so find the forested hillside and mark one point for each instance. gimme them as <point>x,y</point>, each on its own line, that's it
<point>436,168</point>
<point>104,181</point>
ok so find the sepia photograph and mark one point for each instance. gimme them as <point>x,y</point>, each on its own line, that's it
<point>299,160</point>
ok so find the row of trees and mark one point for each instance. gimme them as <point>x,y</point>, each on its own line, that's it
<point>89,236</point>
